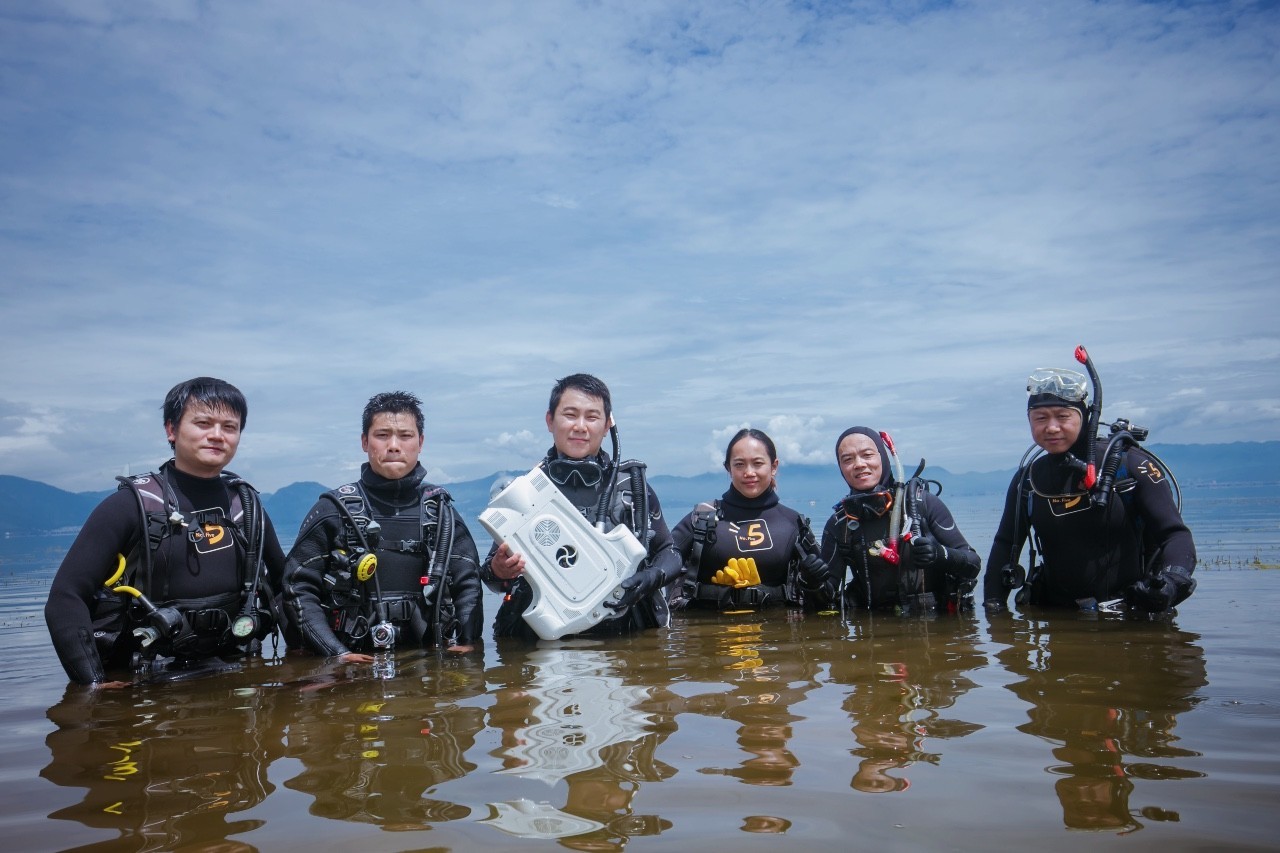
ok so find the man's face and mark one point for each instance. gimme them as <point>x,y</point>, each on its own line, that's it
<point>204,440</point>
<point>1055,428</point>
<point>860,462</point>
<point>578,424</point>
<point>393,444</point>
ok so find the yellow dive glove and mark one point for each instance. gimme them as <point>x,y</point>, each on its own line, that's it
<point>738,572</point>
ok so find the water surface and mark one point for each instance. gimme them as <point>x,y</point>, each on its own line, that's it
<point>962,733</point>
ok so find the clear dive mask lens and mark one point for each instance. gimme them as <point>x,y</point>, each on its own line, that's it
<point>1058,382</point>
<point>587,472</point>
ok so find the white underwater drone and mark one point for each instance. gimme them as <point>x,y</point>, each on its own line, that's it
<point>572,566</point>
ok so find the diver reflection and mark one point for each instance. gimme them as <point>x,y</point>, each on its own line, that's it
<point>373,749</point>
<point>164,771</point>
<point>1108,692</point>
<point>766,668</point>
<point>902,674</point>
<point>566,714</point>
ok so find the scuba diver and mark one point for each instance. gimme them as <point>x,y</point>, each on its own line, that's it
<point>179,567</point>
<point>1101,513</point>
<point>608,493</point>
<point>894,534</point>
<point>747,549</point>
<point>385,559</point>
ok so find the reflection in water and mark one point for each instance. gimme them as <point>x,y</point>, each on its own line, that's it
<point>373,749</point>
<point>162,768</point>
<point>1108,692</point>
<point>566,714</point>
<point>764,703</point>
<point>901,674</point>
<point>764,681</point>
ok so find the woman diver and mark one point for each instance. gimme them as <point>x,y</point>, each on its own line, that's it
<point>747,550</point>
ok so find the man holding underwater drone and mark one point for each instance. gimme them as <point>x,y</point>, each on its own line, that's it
<point>1102,512</point>
<point>579,414</point>
<point>171,566</point>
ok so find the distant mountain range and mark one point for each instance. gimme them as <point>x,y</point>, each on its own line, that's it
<point>30,507</point>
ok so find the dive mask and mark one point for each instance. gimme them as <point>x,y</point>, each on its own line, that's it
<point>586,472</point>
<point>867,505</point>
<point>1048,385</point>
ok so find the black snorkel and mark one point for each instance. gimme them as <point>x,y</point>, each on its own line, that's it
<point>1095,418</point>
<point>602,505</point>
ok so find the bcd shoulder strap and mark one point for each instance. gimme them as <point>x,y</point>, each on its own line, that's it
<point>705,518</point>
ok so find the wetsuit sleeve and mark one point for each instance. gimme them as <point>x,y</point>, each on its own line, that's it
<point>663,555</point>
<point>273,557</point>
<point>464,583</point>
<point>488,578</point>
<point>682,537</point>
<point>1163,529</point>
<point>962,560</point>
<point>113,528</point>
<point>305,592</point>
<point>1011,535</point>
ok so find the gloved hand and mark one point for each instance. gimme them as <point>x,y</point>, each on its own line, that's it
<point>738,572</point>
<point>634,589</point>
<point>925,551</point>
<point>806,542</point>
<point>1167,589</point>
<point>814,573</point>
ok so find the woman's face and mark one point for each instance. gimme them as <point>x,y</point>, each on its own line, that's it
<point>750,468</point>
<point>860,462</point>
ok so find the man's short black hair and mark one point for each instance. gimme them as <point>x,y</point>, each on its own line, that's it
<point>211,393</point>
<point>393,402</point>
<point>586,384</point>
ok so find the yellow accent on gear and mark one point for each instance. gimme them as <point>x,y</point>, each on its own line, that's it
<point>366,566</point>
<point>738,573</point>
<point>119,571</point>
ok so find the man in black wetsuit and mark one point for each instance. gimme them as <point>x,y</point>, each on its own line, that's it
<point>192,536</point>
<point>936,567</point>
<point>579,414</point>
<point>385,560</point>
<point>1130,547</point>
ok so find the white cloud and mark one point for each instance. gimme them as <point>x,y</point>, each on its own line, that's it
<point>801,218</point>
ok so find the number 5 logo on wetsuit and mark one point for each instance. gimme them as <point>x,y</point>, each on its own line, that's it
<point>210,536</point>
<point>751,535</point>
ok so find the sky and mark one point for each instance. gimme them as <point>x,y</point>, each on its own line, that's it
<point>795,216</point>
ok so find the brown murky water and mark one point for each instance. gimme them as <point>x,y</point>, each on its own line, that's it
<point>950,733</point>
